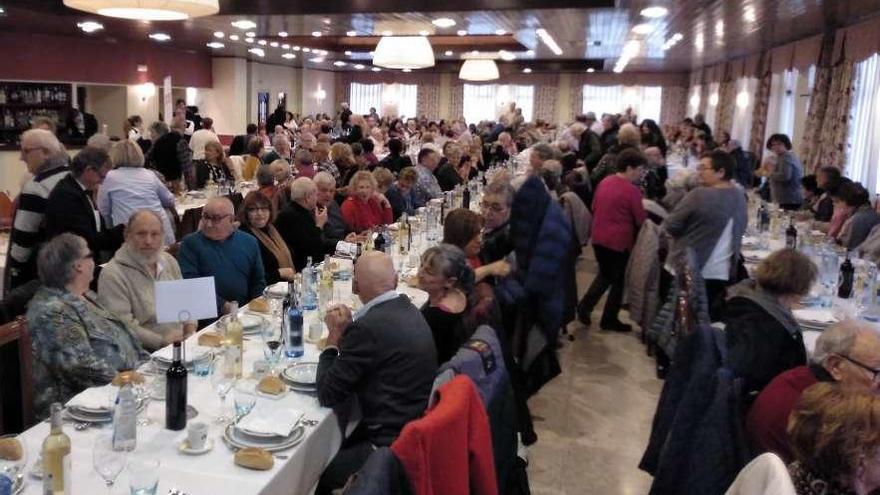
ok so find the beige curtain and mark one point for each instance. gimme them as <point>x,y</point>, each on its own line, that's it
<point>577,101</point>
<point>458,101</point>
<point>545,102</point>
<point>762,101</point>
<point>832,139</point>
<point>726,104</point>
<point>673,104</point>
<point>428,100</point>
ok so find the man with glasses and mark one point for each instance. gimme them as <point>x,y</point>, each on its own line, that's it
<point>495,208</point>
<point>218,249</point>
<point>71,206</point>
<point>46,161</point>
<point>847,352</point>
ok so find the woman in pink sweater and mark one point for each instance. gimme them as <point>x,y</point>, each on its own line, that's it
<point>365,209</point>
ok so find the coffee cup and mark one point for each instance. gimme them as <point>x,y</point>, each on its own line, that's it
<point>197,435</point>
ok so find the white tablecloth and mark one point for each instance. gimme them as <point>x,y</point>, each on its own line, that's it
<point>215,473</point>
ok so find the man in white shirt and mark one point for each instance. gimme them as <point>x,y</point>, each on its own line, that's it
<point>202,137</point>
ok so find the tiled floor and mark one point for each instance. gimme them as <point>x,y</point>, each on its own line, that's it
<point>593,420</point>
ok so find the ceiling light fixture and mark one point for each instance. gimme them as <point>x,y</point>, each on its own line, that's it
<point>262,42</point>
<point>339,63</point>
<point>244,24</point>
<point>677,37</point>
<point>248,40</point>
<point>274,44</point>
<point>443,22</point>
<point>327,21</point>
<point>160,37</point>
<point>406,70</point>
<point>548,40</point>
<point>387,33</point>
<point>448,53</point>
<point>351,34</point>
<point>316,34</point>
<point>305,50</point>
<point>250,34</point>
<point>749,14</point>
<point>295,48</point>
<point>424,33</point>
<point>404,52</point>
<point>506,55</point>
<point>530,53</point>
<point>233,37</point>
<point>643,28</point>
<point>317,60</point>
<point>359,66</point>
<point>285,46</point>
<point>654,12</point>
<point>348,52</point>
<point>90,26</point>
<point>257,51</point>
<point>500,32</point>
<point>591,70</point>
<point>283,34</point>
<point>527,71</point>
<point>148,10</point>
<point>461,32</point>
<point>376,69</point>
<point>478,69</point>
<point>289,56</point>
<point>216,45</point>
<point>219,34</point>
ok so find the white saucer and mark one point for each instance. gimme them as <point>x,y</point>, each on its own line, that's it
<point>184,448</point>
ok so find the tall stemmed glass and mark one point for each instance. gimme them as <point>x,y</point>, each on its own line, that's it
<point>107,461</point>
<point>222,381</point>
<point>272,345</point>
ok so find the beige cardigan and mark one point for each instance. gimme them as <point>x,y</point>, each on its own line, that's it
<point>127,288</point>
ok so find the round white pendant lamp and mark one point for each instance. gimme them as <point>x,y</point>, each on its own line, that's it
<point>148,10</point>
<point>478,69</point>
<point>404,52</point>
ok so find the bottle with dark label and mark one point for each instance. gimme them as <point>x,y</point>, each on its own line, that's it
<point>791,235</point>
<point>379,243</point>
<point>294,332</point>
<point>175,391</point>
<point>845,284</point>
<point>466,196</point>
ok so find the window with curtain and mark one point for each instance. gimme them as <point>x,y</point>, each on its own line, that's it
<point>781,106</point>
<point>864,129</point>
<point>644,100</point>
<point>387,99</point>
<point>746,87</point>
<point>488,101</point>
<point>712,104</point>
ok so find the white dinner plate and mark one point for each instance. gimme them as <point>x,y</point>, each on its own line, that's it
<point>238,440</point>
<point>302,374</point>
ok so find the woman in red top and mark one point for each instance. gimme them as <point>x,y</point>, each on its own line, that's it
<point>617,216</point>
<point>364,209</point>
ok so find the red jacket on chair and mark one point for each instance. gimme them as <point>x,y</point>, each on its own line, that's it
<point>449,450</point>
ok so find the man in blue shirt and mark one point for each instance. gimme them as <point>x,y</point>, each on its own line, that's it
<point>221,251</point>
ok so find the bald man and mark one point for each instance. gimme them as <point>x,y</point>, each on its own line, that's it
<point>384,355</point>
<point>222,251</point>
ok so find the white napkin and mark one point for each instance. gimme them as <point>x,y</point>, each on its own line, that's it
<point>94,398</point>
<point>277,417</point>
<point>192,352</point>
<point>814,315</point>
<point>277,289</point>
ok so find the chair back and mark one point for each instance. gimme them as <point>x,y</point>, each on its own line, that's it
<point>6,209</point>
<point>16,377</point>
<point>189,223</point>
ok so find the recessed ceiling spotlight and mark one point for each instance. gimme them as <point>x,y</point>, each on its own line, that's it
<point>323,52</point>
<point>348,52</point>
<point>289,56</point>
<point>548,40</point>
<point>339,63</point>
<point>644,28</point>
<point>316,60</point>
<point>160,37</point>
<point>387,33</point>
<point>305,50</point>
<point>443,22</point>
<point>500,32</point>
<point>233,37</point>
<point>359,66</point>
<point>376,69</point>
<point>244,24</point>
<point>257,51</point>
<point>2,11</point>
<point>326,21</point>
<point>351,33</point>
<point>448,53</point>
<point>527,71</point>
<point>295,48</point>
<point>286,46</point>
<point>250,34</point>
<point>475,52</point>
<point>530,52</point>
<point>316,34</point>
<point>407,70</point>
<point>461,32</point>
<point>274,44</point>
<point>424,33</point>
<point>219,34</point>
<point>248,40</point>
<point>90,26</point>
<point>262,42</point>
<point>654,12</point>
<point>677,37</point>
<point>216,45</point>
<point>591,70</point>
<point>283,34</point>
<point>506,55</point>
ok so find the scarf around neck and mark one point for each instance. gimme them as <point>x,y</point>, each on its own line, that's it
<point>275,244</point>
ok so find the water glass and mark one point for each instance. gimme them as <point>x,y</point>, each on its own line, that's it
<point>143,475</point>
<point>245,397</point>
<point>202,367</point>
<point>107,461</point>
<point>222,383</point>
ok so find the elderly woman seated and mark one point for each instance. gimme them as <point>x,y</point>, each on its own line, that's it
<point>256,216</point>
<point>464,229</point>
<point>835,439</point>
<point>763,337</point>
<point>77,343</point>
<point>365,208</point>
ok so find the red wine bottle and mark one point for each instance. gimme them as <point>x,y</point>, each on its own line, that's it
<point>175,392</point>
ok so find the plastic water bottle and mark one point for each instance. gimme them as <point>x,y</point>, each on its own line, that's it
<point>309,286</point>
<point>125,420</point>
<point>293,335</point>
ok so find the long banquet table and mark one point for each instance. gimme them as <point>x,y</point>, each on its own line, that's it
<point>215,473</point>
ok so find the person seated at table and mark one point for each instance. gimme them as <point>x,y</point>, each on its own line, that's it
<point>835,440</point>
<point>842,210</point>
<point>828,179</point>
<point>253,158</point>
<point>129,187</point>
<point>77,343</point>
<point>495,208</point>
<point>863,218</point>
<point>342,157</point>
<point>301,224</point>
<point>323,163</point>
<point>266,180</point>
<point>464,229</point>
<point>447,170</point>
<point>365,208</point>
<point>126,285</point>
<point>70,207</point>
<point>215,167</point>
<point>218,249</point>
<point>384,355</point>
<point>847,352</point>
<point>763,337</point>
<point>369,154</point>
<point>396,160</point>
<point>304,164</point>
<point>427,187</point>
<point>256,216</point>
<point>335,229</point>
<point>281,150</point>
<point>401,194</point>
<point>812,193</point>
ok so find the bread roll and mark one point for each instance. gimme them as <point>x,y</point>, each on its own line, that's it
<point>10,449</point>
<point>210,339</point>
<point>254,458</point>
<point>272,385</point>
<point>130,377</point>
<point>260,305</point>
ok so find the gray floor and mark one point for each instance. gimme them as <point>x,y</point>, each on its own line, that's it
<point>593,420</point>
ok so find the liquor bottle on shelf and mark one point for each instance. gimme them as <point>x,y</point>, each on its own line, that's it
<point>56,457</point>
<point>175,391</point>
<point>845,282</point>
<point>791,234</point>
<point>234,342</point>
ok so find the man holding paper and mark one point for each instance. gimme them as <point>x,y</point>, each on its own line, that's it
<point>221,251</point>
<point>126,285</point>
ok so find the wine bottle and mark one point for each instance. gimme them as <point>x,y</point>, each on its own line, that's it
<point>309,286</point>
<point>294,336</point>
<point>56,457</point>
<point>175,392</point>
<point>234,345</point>
<point>791,235</point>
<point>379,243</point>
<point>845,285</point>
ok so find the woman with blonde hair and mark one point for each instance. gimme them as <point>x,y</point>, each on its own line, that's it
<point>215,166</point>
<point>342,156</point>
<point>365,209</point>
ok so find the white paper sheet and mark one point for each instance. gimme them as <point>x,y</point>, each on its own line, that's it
<point>185,300</point>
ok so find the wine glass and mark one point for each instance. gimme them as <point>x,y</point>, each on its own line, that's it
<point>108,462</point>
<point>271,335</point>
<point>245,397</point>
<point>222,382</point>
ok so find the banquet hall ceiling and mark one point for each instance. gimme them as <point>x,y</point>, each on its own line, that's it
<point>591,33</point>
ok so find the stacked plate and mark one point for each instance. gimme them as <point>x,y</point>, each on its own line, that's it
<point>302,377</point>
<point>194,353</point>
<point>814,318</point>
<point>96,414</point>
<point>251,323</point>
<point>236,437</point>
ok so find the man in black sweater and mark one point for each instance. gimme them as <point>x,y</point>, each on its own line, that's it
<point>384,355</point>
<point>301,224</point>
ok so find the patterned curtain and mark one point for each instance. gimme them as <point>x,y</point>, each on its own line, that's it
<point>704,98</point>
<point>811,146</point>
<point>726,106</point>
<point>762,102</point>
<point>577,100</point>
<point>544,105</point>
<point>832,147</point>
<point>458,101</point>
<point>428,100</point>
<point>673,104</point>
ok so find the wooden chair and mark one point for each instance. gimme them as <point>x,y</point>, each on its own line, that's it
<point>16,377</point>
<point>189,223</point>
<point>6,211</point>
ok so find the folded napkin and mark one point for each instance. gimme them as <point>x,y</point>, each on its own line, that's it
<point>277,289</point>
<point>191,352</point>
<point>814,315</point>
<point>94,398</point>
<point>277,417</point>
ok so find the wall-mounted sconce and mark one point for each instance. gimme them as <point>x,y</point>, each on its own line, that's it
<point>146,90</point>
